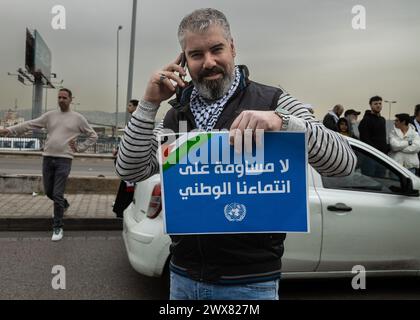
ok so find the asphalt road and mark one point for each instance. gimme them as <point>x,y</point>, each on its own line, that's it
<point>96,267</point>
<point>95,264</point>
<point>80,167</point>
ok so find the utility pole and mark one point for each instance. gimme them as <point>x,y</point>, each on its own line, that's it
<point>131,59</point>
<point>116,94</point>
<point>37,97</point>
<point>46,98</point>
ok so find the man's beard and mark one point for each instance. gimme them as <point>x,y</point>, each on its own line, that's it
<point>213,89</point>
<point>63,106</point>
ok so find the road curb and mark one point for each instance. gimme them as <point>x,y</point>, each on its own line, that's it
<point>71,224</point>
<point>26,184</point>
<point>38,154</point>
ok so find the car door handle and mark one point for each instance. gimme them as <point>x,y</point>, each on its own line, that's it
<point>339,207</point>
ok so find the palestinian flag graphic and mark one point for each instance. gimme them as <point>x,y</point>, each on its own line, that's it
<point>173,153</point>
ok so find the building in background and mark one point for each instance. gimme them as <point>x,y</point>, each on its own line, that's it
<point>10,118</point>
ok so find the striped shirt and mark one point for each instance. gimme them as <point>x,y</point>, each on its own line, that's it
<point>328,152</point>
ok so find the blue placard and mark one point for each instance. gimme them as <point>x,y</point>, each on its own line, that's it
<point>208,188</point>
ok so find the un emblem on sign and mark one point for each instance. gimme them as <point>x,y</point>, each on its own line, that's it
<point>235,212</point>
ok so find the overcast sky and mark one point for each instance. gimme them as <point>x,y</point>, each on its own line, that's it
<point>308,47</point>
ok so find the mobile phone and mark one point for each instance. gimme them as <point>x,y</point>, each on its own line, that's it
<point>179,90</point>
<point>183,60</point>
<point>177,103</point>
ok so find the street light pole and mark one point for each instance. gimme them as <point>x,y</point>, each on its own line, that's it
<point>116,94</point>
<point>46,98</point>
<point>390,103</point>
<point>131,59</point>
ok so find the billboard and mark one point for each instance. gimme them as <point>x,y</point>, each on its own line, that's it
<point>29,52</point>
<point>37,56</point>
<point>42,63</point>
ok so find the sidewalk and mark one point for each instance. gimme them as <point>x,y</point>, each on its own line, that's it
<point>24,212</point>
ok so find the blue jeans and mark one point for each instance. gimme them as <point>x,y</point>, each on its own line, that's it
<point>183,288</point>
<point>55,172</point>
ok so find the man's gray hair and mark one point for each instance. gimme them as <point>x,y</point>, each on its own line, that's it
<point>200,20</point>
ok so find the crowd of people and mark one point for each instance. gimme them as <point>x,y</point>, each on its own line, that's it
<point>402,143</point>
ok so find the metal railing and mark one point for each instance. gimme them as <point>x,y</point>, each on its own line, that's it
<point>36,142</point>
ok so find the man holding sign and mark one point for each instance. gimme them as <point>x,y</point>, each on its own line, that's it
<point>221,96</point>
<point>218,191</point>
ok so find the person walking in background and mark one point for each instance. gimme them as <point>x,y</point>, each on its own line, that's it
<point>331,118</point>
<point>404,142</point>
<point>344,128</point>
<point>126,189</point>
<point>351,117</point>
<point>415,121</point>
<point>372,128</point>
<point>132,106</point>
<point>63,127</point>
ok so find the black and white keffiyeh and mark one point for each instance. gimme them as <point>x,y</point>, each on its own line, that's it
<point>206,114</point>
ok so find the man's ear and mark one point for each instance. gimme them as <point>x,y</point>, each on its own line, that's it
<point>232,47</point>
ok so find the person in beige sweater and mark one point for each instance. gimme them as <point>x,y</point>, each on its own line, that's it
<point>63,127</point>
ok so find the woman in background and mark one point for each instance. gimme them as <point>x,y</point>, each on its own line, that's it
<point>343,128</point>
<point>405,142</point>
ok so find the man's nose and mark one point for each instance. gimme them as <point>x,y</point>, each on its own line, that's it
<point>209,61</point>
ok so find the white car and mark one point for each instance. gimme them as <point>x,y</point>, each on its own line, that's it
<point>360,220</point>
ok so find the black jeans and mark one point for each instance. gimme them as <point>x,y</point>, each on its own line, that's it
<point>55,172</point>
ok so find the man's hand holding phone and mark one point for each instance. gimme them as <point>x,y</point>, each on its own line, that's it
<point>160,86</point>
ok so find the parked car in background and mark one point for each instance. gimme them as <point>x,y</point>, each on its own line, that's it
<point>370,218</point>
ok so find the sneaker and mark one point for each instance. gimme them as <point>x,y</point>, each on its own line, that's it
<point>57,234</point>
